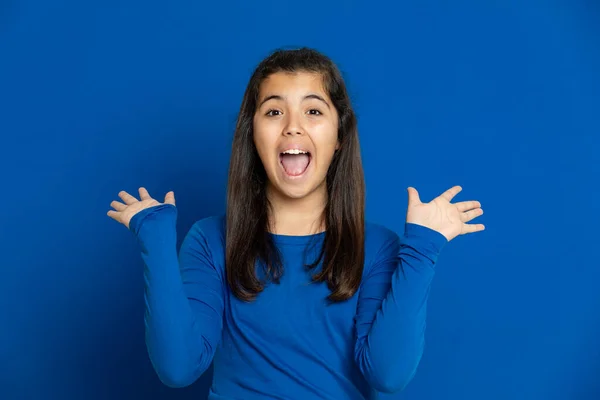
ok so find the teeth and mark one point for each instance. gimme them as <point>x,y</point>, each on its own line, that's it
<point>295,151</point>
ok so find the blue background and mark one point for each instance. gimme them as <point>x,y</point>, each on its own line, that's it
<point>501,97</point>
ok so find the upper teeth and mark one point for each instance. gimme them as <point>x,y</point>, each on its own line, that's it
<point>295,151</point>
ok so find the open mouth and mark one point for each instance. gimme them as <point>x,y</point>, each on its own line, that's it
<point>295,161</point>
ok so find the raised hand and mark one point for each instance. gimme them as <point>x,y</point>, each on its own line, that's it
<point>123,212</point>
<point>449,219</point>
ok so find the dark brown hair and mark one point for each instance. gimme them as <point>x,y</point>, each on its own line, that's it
<point>247,238</point>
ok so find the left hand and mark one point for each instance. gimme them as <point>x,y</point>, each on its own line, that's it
<point>442,216</point>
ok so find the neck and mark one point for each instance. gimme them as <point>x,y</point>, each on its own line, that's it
<point>297,217</point>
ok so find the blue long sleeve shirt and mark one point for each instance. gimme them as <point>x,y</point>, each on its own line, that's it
<point>289,343</point>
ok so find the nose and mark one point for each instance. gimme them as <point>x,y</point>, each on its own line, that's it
<point>293,126</point>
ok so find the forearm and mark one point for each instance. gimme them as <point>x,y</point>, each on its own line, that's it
<point>174,336</point>
<point>390,353</point>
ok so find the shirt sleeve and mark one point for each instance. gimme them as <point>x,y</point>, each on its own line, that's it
<point>391,311</point>
<point>183,297</point>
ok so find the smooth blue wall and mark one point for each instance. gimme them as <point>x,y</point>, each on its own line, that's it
<point>501,97</point>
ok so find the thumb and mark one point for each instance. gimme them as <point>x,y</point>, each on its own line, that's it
<point>170,198</point>
<point>413,196</point>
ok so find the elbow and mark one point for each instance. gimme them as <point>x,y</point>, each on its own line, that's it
<point>178,367</point>
<point>388,375</point>
<point>388,383</point>
<point>178,372</point>
<point>176,378</point>
<point>175,383</point>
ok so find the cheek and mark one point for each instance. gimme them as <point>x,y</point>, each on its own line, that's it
<point>328,141</point>
<point>264,144</point>
<point>326,153</point>
<point>258,137</point>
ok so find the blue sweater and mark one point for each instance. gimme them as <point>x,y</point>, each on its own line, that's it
<point>289,343</point>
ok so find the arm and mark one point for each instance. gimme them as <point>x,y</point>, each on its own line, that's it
<point>390,320</point>
<point>183,296</point>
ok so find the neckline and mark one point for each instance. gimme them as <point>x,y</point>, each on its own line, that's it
<point>296,239</point>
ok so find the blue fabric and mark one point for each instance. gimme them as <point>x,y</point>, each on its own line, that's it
<point>289,343</point>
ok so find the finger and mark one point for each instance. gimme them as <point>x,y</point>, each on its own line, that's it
<point>467,205</point>
<point>471,214</point>
<point>144,195</point>
<point>471,228</point>
<point>170,198</point>
<point>117,205</point>
<point>413,196</point>
<point>127,198</point>
<point>450,193</point>
<point>114,215</point>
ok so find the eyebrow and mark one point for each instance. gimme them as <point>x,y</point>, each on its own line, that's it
<point>308,96</point>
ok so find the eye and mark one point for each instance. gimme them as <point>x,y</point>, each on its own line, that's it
<point>271,112</point>
<point>314,111</point>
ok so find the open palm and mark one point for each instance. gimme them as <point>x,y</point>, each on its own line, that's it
<point>123,212</point>
<point>449,219</point>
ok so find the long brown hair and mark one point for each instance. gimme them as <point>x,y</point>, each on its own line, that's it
<point>247,236</point>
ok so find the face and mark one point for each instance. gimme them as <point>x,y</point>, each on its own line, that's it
<point>295,133</point>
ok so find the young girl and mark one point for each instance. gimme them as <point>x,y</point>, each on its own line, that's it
<point>291,294</point>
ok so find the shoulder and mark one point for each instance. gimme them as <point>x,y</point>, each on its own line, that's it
<point>378,236</point>
<point>382,246</point>
<point>210,227</point>
<point>380,241</point>
<point>209,230</point>
<point>206,239</point>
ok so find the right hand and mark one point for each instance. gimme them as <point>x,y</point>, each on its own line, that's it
<point>124,212</point>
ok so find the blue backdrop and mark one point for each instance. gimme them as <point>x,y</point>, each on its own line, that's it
<point>502,98</point>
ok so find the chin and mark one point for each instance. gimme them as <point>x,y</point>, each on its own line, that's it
<point>295,192</point>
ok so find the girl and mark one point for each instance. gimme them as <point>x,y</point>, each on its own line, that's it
<point>291,294</point>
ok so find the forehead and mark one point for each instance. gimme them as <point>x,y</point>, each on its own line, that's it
<point>292,83</point>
